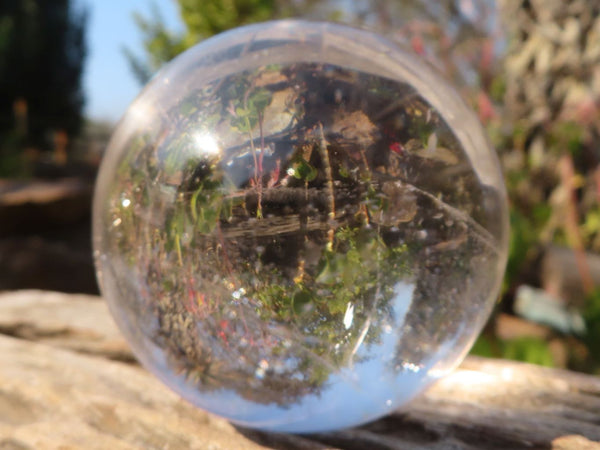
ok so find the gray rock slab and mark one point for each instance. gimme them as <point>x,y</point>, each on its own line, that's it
<point>52,398</point>
<point>75,322</point>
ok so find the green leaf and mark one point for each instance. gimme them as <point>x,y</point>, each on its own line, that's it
<point>241,112</point>
<point>591,225</point>
<point>260,99</point>
<point>327,275</point>
<point>300,300</point>
<point>529,349</point>
<point>194,204</point>
<point>483,347</point>
<point>304,171</point>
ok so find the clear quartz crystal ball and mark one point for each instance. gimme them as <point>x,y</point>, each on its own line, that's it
<point>299,226</point>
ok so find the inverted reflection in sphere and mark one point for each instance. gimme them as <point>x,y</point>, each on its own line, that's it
<point>299,226</point>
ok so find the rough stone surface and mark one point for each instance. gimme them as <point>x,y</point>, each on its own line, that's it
<point>76,322</point>
<point>51,398</point>
<point>59,389</point>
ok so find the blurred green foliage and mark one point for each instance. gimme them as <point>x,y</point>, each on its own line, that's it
<point>201,20</point>
<point>401,19</point>
<point>526,349</point>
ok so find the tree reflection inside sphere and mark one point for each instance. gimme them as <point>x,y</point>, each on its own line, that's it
<point>299,226</point>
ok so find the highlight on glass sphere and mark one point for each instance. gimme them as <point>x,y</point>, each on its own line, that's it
<point>299,226</point>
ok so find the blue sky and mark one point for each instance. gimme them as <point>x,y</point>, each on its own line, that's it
<point>108,82</point>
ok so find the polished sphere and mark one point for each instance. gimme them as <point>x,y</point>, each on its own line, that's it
<point>299,226</point>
